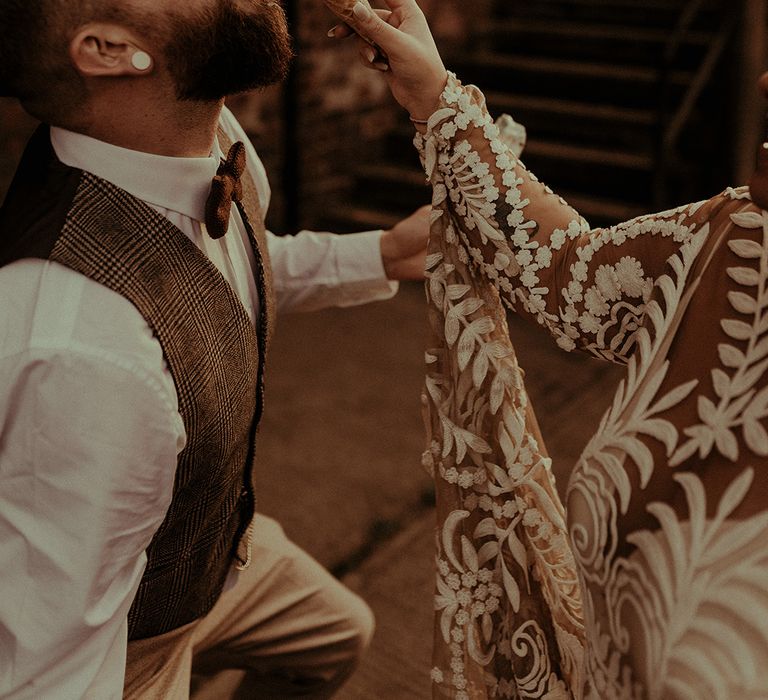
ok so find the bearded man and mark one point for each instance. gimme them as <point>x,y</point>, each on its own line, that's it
<point>138,289</point>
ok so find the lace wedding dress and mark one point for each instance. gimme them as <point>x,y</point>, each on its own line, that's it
<point>656,583</point>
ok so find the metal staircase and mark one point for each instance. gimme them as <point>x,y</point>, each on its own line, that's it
<point>625,102</point>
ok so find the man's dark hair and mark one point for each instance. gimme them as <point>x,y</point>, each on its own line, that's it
<point>34,41</point>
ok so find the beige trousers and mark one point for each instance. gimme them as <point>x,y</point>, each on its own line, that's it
<point>287,628</point>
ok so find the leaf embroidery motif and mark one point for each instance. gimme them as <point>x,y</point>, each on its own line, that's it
<point>736,408</point>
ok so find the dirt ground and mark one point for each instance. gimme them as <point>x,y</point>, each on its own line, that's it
<point>340,461</point>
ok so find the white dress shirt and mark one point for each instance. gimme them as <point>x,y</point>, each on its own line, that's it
<point>89,422</point>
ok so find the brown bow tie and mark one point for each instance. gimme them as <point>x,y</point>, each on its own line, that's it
<point>225,188</point>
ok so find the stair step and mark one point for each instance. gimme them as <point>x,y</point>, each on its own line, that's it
<point>657,13</point>
<point>624,85</point>
<point>588,31</point>
<point>585,69</point>
<point>569,109</point>
<point>364,218</point>
<point>616,4</point>
<point>585,155</point>
<point>580,40</point>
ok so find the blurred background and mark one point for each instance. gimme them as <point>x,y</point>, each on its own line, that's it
<point>630,106</point>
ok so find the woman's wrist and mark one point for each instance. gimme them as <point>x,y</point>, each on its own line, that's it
<point>427,106</point>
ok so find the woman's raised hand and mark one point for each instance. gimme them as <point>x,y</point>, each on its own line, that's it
<point>415,71</point>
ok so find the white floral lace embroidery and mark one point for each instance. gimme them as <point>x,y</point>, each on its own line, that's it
<point>649,592</point>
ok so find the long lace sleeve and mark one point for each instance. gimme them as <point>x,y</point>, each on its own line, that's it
<point>650,586</point>
<point>508,605</point>
<point>589,288</point>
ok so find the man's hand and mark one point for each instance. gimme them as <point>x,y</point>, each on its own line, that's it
<point>404,247</point>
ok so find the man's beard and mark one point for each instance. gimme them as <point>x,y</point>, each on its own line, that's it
<point>228,49</point>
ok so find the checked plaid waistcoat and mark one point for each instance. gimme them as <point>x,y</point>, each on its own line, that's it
<point>215,356</point>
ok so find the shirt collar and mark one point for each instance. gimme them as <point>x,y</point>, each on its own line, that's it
<point>178,184</point>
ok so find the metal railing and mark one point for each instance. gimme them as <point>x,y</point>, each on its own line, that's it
<point>674,114</point>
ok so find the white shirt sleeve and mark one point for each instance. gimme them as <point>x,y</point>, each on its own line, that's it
<point>317,270</point>
<point>88,449</point>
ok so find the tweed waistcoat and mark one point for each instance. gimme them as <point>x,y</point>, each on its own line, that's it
<point>215,356</point>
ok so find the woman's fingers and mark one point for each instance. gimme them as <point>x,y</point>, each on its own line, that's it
<point>403,5</point>
<point>371,57</point>
<point>344,31</point>
<point>406,51</point>
<point>341,31</point>
<point>374,28</point>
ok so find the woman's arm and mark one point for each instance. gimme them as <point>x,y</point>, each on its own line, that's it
<point>587,287</point>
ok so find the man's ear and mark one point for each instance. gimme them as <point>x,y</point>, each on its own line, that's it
<point>108,50</point>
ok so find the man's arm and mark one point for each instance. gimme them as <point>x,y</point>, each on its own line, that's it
<point>314,271</point>
<point>88,447</point>
<point>319,270</point>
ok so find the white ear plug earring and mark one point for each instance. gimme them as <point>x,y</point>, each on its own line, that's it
<point>141,61</point>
